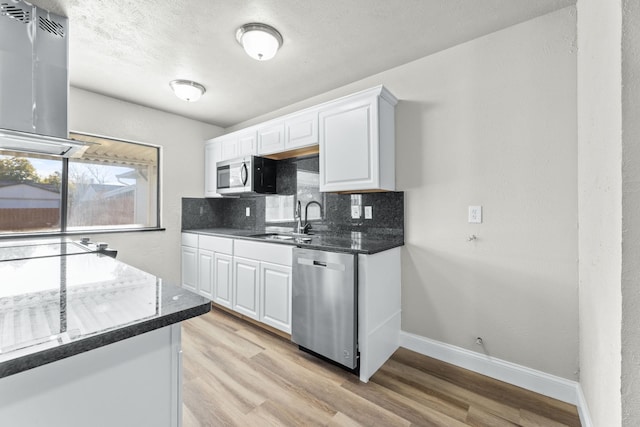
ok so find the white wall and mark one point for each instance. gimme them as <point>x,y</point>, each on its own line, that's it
<point>600,195</point>
<point>182,171</point>
<point>490,122</point>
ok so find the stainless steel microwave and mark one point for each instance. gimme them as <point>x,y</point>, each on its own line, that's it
<point>246,175</point>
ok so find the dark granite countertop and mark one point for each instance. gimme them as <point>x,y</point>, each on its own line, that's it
<point>53,307</point>
<point>349,242</point>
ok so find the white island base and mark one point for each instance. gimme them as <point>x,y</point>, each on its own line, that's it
<point>133,382</point>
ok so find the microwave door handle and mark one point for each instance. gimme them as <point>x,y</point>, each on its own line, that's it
<point>244,174</point>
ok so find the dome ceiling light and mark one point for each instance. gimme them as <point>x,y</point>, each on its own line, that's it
<point>260,41</point>
<point>187,90</point>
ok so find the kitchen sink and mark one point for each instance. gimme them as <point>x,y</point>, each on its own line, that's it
<point>277,236</point>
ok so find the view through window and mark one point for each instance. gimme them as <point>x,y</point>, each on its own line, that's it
<point>30,193</point>
<point>112,185</point>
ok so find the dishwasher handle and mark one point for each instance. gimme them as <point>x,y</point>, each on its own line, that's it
<point>321,264</point>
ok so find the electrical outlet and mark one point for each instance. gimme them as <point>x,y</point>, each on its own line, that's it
<point>475,214</point>
<point>368,212</point>
<point>201,210</point>
<point>247,211</point>
<point>355,212</point>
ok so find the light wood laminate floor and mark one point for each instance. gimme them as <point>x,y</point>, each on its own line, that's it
<point>236,374</point>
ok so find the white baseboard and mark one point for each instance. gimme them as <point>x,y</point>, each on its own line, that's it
<point>583,409</point>
<point>521,376</point>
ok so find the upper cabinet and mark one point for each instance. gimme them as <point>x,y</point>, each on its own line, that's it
<point>291,133</point>
<point>271,138</point>
<point>246,143</point>
<point>301,130</point>
<point>236,144</point>
<point>357,143</point>
<point>212,154</point>
<point>355,136</point>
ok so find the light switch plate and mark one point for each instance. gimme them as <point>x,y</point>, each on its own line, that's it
<point>475,214</point>
<point>355,212</point>
<point>368,212</point>
<point>247,211</point>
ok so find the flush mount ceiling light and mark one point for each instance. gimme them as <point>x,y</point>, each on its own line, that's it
<point>260,41</point>
<point>187,90</point>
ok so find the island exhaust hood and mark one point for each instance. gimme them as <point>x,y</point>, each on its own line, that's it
<point>34,81</point>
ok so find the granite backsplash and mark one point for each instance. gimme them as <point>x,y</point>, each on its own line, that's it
<point>298,180</point>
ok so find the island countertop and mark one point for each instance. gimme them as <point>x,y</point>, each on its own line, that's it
<point>60,298</point>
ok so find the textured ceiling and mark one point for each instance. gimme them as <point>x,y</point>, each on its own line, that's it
<point>131,49</point>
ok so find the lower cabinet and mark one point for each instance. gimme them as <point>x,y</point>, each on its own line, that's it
<point>203,264</point>
<point>222,282</point>
<point>262,282</point>
<point>275,295</point>
<point>205,272</point>
<point>189,257</point>
<point>251,278</point>
<point>246,286</point>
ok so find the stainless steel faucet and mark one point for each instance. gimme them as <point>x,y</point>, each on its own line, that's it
<point>298,217</point>
<point>307,226</point>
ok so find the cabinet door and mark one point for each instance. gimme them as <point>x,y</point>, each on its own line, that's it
<point>205,273</point>
<point>348,146</point>
<point>301,131</point>
<point>211,156</point>
<point>228,148</point>
<point>271,138</point>
<point>222,283</point>
<point>246,144</point>
<point>189,260</point>
<point>245,286</point>
<point>275,296</point>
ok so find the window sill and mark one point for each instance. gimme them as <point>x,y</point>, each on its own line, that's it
<point>78,233</point>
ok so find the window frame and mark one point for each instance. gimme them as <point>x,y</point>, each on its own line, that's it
<point>64,199</point>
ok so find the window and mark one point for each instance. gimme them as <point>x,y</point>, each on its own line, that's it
<point>112,185</point>
<point>281,208</point>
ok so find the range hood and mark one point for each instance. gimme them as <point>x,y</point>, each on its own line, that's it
<point>34,81</point>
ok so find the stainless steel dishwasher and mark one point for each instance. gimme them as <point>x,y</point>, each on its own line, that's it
<point>325,305</point>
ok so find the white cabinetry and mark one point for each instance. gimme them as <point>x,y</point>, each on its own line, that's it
<point>357,142</point>
<point>275,292</point>
<point>245,286</point>
<point>226,147</point>
<point>212,154</point>
<point>251,278</point>
<point>301,130</point>
<point>203,265</point>
<point>222,289</point>
<point>379,309</point>
<point>205,273</point>
<point>263,277</point>
<point>189,256</point>
<point>271,138</point>
<point>246,142</point>
<point>355,135</point>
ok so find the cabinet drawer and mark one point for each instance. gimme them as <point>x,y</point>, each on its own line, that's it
<point>190,239</point>
<point>216,244</point>
<point>270,252</point>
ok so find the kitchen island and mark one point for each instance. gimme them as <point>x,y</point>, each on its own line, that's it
<point>88,340</point>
